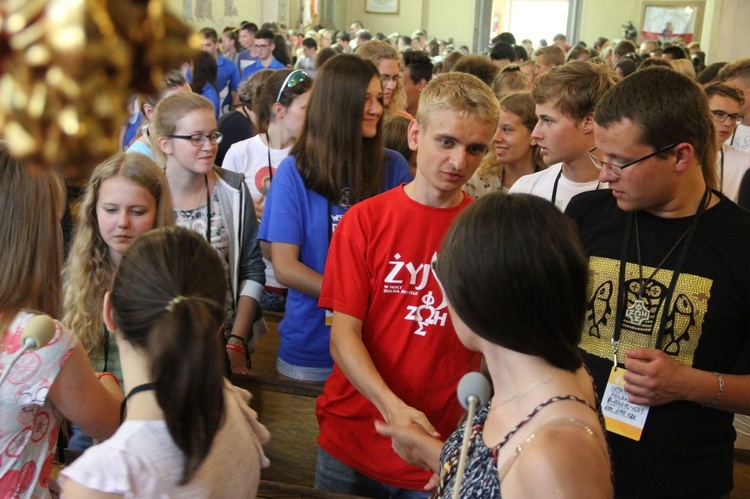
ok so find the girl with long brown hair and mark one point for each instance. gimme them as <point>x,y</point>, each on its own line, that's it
<point>334,164</point>
<point>55,380</point>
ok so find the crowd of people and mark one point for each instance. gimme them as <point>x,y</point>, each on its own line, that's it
<point>568,220</point>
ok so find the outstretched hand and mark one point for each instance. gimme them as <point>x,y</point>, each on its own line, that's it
<point>405,415</point>
<point>412,443</point>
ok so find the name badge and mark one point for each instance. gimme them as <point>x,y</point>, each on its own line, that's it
<point>621,416</point>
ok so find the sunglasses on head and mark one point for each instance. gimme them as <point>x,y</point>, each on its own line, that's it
<point>292,80</point>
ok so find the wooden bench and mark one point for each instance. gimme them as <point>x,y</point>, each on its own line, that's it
<point>287,408</point>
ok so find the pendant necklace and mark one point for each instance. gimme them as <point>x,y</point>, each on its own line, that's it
<point>638,312</point>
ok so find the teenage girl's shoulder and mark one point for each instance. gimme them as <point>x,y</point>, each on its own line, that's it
<point>546,463</point>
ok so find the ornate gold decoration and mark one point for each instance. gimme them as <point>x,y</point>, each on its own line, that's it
<point>68,68</point>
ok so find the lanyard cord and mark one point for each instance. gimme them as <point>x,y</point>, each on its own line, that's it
<point>721,153</point>
<point>270,167</point>
<point>138,389</point>
<point>557,181</point>
<point>208,211</point>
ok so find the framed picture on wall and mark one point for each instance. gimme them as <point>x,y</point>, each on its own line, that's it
<point>381,6</point>
<point>672,22</point>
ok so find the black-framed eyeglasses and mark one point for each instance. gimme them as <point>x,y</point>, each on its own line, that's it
<point>617,169</point>
<point>388,78</point>
<point>721,116</point>
<point>198,139</point>
<point>292,80</point>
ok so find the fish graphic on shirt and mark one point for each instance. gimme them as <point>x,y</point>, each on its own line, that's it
<point>678,324</point>
<point>599,308</point>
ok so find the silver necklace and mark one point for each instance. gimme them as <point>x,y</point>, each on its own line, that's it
<point>526,392</point>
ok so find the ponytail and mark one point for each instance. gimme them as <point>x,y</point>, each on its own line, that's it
<point>168,300</point>
<point>187,374</point>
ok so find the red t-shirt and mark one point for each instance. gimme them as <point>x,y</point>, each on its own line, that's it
<point>379,271</point>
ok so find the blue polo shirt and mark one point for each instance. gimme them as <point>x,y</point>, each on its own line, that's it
<point>251,70</point>
<point>244,59</point>
<point>227,81</point>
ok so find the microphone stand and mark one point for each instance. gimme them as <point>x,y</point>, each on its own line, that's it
<point>473,401</point>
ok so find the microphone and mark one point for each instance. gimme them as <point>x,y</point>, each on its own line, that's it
<point>473,390</point>
<point>37,333</point>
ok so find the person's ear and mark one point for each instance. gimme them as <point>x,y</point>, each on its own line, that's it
<point>412,134</point>
<point>165,144</point>
<point>108,312</point>
<point>148,110</point>
<point>278,110</point>
<point>684,154</point>
<point>587,123</point>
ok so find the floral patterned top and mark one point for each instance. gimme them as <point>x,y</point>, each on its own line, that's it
<point>29,423</point>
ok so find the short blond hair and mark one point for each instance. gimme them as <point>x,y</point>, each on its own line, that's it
<point>576,87</point>
<point>461,92</point>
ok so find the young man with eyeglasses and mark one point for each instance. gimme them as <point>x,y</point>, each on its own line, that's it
<point>264,45</point>
<point>725,104</point>
<point>669,281</point>
<point>737,74</point>
<point>565,97</point>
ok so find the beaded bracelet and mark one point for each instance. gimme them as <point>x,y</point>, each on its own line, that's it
<point>721,391</point>
<point>237,337</point>
<point>106,373</point>
<point>237,348</point>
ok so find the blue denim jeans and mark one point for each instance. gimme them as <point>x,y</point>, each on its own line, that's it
<point>79,441</point>
<point>331,474</point>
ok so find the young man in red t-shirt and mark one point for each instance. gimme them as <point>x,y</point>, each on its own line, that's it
<point>397,356</point>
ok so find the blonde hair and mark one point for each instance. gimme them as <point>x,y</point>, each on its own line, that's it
<point>460,92</point>
<point>89,271</point>
<point>512,78</point>
<point>684,66</point>
<point>32,203</point>
<point>374,51</point>
<point>168,113</point>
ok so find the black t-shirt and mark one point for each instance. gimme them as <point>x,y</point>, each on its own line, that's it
<point>686,450</point>
<point>235,127</point>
